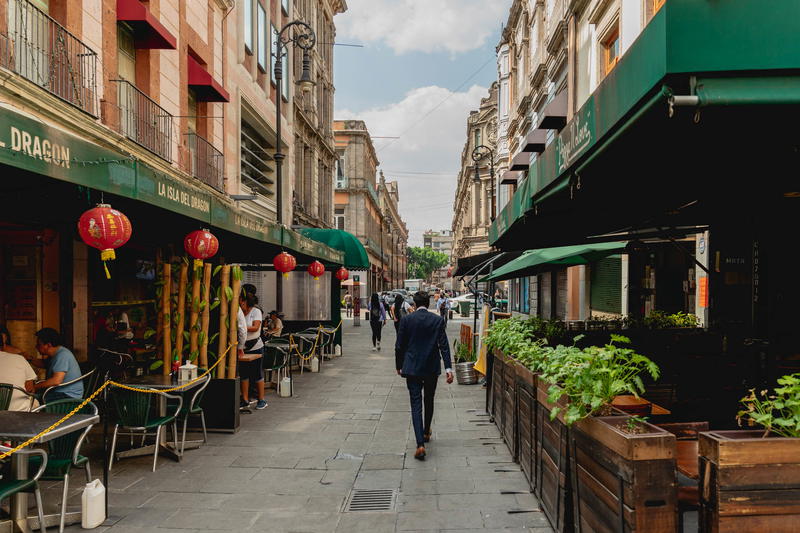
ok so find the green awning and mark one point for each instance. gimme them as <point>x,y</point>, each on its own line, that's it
<point>734,50</point>
<point>355,256</point>
<point>533,261</point>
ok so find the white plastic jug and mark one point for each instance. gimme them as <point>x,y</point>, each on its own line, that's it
<point>285,387</point>
<point>315,364</point>
<point>93,503</point>
<point>338,350</point>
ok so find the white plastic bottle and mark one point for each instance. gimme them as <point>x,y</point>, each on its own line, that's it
<point>93,503</point>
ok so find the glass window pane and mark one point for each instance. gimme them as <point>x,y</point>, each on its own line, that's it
<point>248,25</point>
<point>285,5</point>
<point>275,49</point>
<point>262,38</point>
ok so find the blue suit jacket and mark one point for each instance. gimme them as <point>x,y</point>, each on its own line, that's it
<point>421,344</point>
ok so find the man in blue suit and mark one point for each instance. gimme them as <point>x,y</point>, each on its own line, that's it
<point>421,344</point>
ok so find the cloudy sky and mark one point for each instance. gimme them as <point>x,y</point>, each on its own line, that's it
<point>424,65</point>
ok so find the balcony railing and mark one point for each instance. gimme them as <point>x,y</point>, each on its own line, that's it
<point>41,50</point>
<point>143,121</point>
<point>207,163</point>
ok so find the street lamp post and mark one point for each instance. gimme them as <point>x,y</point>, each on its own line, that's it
<point>305,39</point>
<point>479,153</point>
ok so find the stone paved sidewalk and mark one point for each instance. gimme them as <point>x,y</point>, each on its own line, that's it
<point>291,467</point>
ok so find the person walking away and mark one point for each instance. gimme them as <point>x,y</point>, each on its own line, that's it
<point>16,371</point>
<point>348,304</point>
<point>377,319</point>
<point>420,347</point>
<point>444,307</point>
<point>398,310</point>
<point>61,365</point>
<point>250,368</point>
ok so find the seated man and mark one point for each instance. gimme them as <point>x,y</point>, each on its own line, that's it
<point>14,370</point>
<point>61,366</point>
<point>275,326</point>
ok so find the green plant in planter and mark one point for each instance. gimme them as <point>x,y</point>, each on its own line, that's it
<point>777,413</point>
<point>462,353</point>
<point>508,335</point>
<point>592,377</point>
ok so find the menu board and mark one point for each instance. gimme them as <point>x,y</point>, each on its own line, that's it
<point>21,300</point>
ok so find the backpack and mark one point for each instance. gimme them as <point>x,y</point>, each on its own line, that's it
<point>375,313</point>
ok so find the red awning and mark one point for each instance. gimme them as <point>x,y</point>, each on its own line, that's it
<point>148,32</point>
<point>205,87</point>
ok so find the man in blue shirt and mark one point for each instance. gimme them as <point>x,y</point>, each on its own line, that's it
<point>61,365</point>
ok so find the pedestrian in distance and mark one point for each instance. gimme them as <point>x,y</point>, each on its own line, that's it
<point>348,304</point>
<point>398,310</point>
<point>377,319</point>
<point>420,347</point>
<point>444,306</point>
<point>250,360</point>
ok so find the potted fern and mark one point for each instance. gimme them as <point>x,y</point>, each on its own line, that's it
<point>465,363</point>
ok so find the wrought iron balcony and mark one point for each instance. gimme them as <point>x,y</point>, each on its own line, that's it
<point>39,49</point>
<point>143,121</point>
<point>207,163</point>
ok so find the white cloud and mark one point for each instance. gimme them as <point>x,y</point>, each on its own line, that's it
<point>430,145</point>
<point>453,26</point>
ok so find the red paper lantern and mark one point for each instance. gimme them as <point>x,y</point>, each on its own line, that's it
<point>201,244</point>
<point>106,229</point>
<point>316,269</point>
<point>342,274</point>
<point>284,263</point>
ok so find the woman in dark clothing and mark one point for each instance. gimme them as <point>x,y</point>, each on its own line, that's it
<point>377,319</point>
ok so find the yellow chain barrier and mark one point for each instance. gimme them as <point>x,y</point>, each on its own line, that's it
<point>98,391</point>
<point>155,391</point>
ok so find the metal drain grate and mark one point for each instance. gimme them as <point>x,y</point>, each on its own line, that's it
<point>361,500</point>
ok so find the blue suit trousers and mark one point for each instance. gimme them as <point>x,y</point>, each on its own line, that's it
<point>421,390</point>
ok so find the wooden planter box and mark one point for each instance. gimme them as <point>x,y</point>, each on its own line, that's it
<point>510,407</point>
<point>221,406</point>
<point>526,423</point>
<point>622,481</point>
<point>498,370</point>
<point>551,463</point>
<point>748,483</point>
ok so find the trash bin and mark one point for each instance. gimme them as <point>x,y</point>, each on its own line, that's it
<point>463,307</point>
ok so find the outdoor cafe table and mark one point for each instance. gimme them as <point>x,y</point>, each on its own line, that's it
<point>160,382</point>
<point>19,426</point>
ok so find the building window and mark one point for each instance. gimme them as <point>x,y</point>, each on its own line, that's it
<point>256,173</point>
<point>477,137</point>
<point>285,6</point>
<point>339,217</point>
<point>262,38</point>
<point>286,74</point>
<point>275,50</point>
<point>611,51</point>
<point>248,26</point>
<point>341,179</point>
<point>126,57</point>
<point>657,5</point>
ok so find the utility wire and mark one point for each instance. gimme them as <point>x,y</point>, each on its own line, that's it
<point>440,104</point>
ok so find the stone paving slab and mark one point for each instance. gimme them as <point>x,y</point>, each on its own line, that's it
<point>292,466</point>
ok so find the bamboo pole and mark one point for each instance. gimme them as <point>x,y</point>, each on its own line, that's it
<point>206,316</point>
<point>225,278</point>
<point>194,326</point>
<point>180,315</point>
<point>233,340</point>
<point>167,317</point>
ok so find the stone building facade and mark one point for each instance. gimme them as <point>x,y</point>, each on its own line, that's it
<point>314,150</point>
<point>395,238</point>
<point>472,212</point>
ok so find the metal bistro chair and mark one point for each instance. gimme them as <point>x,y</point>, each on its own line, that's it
<point>10,487</point>
<point>277,360</point>
<point>192,408</point>
<point>134,411</point>
<point>88,380</point>
<point>64,452</point>
<point>6,393</point>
